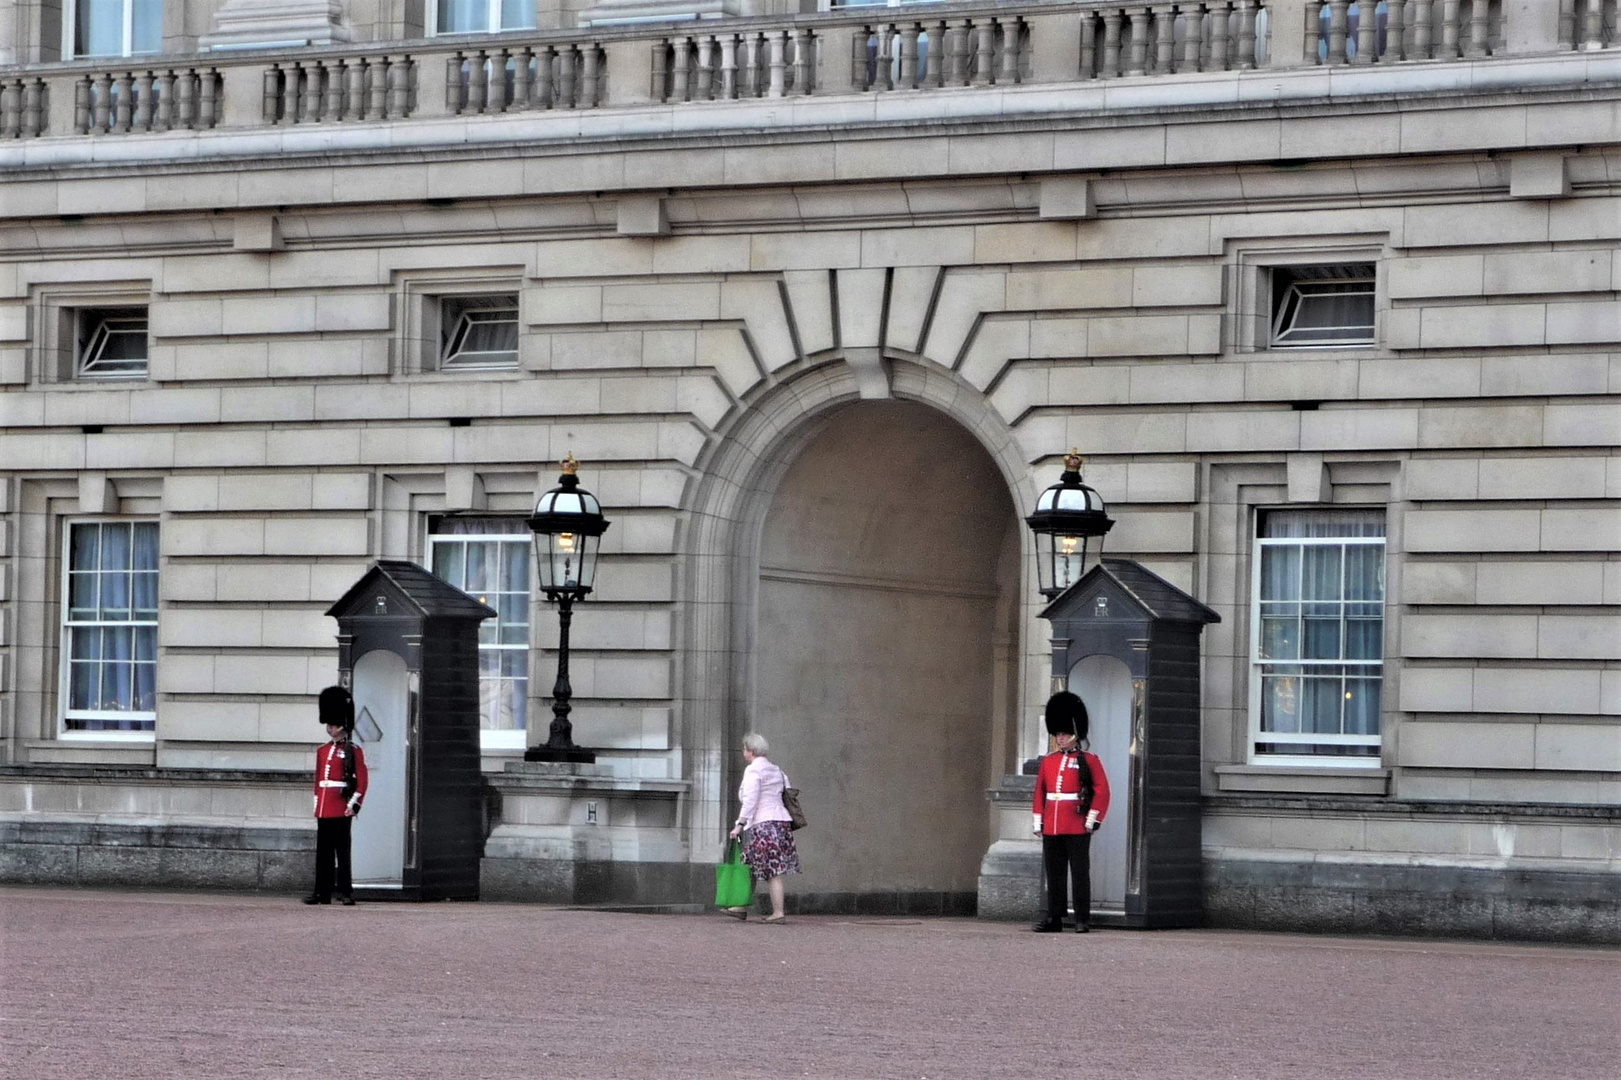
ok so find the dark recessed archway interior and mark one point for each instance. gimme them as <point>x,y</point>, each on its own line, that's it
<point>884,567</point>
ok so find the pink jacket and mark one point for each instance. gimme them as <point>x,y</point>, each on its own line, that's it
<point>761,793</point>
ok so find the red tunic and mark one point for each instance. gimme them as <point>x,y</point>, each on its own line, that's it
<point>1057,785</point>
<point>329,801</point>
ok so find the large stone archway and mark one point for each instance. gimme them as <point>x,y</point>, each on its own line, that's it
<point>887,576</point>
<point>728,505</point>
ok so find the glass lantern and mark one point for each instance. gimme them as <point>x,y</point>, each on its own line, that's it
<point>568,527</point>
<point>1069,516</point>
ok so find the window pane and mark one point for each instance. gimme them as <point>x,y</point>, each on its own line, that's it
<point>463,16</point>
<point>148,20</point>
<point>479,579</point>
<point>114,546</point>
<point>1322,638</point>
<point>1280,704</point>
<point>83,598</point>
<point>1362,706</point>
<point>83,681</point>
<point>449,562</point>
<point>1364,639</point>
<point>86,546</point>
<point>1320,705</point>
<point>99,28</point>
<point>145,546</point>
<point>1320,573</point>
<point>1280,573</point>
<point>517,14</point>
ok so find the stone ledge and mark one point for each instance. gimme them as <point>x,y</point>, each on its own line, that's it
<point>1294,781</point>
<point>1322,805</point>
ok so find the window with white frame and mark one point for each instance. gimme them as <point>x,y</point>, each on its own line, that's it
<point>1317,618</point>
<point>110,627</point>
<point>1323,307</point>
<point>482,16</point>
<point>110,343</point>
<point>488,559</point>
<point>478,331</point>
<point>115,27</point>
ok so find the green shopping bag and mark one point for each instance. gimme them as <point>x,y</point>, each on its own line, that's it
<point>734,884</point>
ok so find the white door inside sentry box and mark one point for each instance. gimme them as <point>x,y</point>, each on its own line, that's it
<point>381,691</point>
<point>1103,683</point>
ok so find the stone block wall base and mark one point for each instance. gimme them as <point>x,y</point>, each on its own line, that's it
<point>157,857</point>
<point>1428,901</point>
<point>684,885</point>
<point>1010,881</point>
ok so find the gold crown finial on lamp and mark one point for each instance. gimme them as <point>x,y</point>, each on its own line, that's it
<point>570,465</point>
<point>1073,460</point>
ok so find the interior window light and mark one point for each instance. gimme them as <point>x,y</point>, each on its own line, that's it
<point>479,331</point>
<point>1322,307</point>
<point>112,343</point>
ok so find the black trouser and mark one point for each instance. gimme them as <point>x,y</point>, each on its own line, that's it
<point>1065,857</point>
<point>332,848</point>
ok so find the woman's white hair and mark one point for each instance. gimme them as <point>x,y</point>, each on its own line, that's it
<point>755,744</point>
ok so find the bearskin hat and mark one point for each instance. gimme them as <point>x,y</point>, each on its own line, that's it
<point>337,708</point>
<point>1066,715</point>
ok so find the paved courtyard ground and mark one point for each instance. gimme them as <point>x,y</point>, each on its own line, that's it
<point>133,985</point>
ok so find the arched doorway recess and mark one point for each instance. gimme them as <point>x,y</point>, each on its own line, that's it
<point>883,665</point>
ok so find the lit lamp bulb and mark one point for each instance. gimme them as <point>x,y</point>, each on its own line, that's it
<point>565,546</point>
<point>1070,559</point>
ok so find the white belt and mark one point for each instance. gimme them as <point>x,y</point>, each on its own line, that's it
<point>1061,797</point>
<point>340,783</point>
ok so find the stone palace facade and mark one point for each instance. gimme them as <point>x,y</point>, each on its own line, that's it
<point>1328,295</point>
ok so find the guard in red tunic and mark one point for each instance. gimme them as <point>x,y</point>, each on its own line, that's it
<point>340,787</point>
<point>1072,799</point>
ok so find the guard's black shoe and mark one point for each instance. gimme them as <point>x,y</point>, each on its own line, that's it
<point>1083,928</point>
<point>314,899</point>
<point>1048,928</point>
<point>347,901</point>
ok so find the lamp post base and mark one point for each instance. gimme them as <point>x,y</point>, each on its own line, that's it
<point>572,754</point>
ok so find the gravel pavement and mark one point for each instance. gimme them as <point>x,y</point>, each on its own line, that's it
<point>131,985</point>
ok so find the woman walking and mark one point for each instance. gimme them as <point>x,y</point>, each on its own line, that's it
<point>770,851</point>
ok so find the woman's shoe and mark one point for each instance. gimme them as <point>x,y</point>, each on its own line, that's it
<point>741,914</point>
<point>774,919</point>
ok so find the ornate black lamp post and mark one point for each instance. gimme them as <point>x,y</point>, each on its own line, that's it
<point>1069,515</point>
<point>568,525</point>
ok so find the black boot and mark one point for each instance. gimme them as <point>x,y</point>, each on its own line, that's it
<point>1048,927</point>
<point>312,898</point>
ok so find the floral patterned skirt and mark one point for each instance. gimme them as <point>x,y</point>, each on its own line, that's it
<point>770,851</point>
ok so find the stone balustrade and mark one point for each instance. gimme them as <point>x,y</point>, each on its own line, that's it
<point>973,43</point>
<point>1591,24</point>
<point>517,78</point>
<point>339,88</point>
<point>1355,32</point>
<point>146,99</point>
<point>23,107</point>
<point>728,65</point>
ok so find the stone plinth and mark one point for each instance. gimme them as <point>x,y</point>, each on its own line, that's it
<point>611,12</point>
<point>246,24</point>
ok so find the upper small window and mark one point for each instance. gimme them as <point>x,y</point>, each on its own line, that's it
<point>483,16</point>
<point>478,331</point>
<point>117,27</point>
<point>1322,307</point>
<point>111,343</point>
